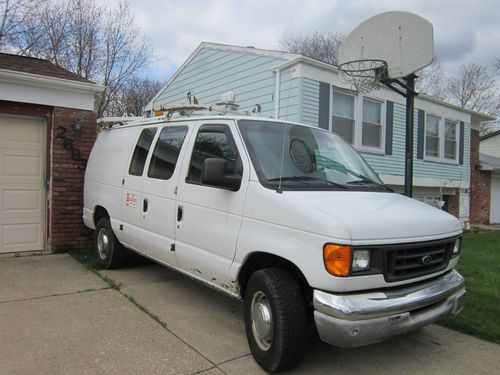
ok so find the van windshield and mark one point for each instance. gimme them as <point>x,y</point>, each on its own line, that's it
<point>295,157</point>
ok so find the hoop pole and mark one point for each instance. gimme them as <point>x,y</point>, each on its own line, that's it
<point>410,105</point>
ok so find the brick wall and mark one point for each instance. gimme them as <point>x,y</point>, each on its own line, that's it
<point>454,204</point>
<point>68,152</point>
<point>480,185</point>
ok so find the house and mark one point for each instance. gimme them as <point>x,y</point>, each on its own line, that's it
<point>490,144</point>
<point>47,128</point>
<point>489,165</point>
<point>296,88</point>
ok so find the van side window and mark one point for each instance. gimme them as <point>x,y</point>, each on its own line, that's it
<point>214,141</point>
<point>141,151</point>
<point>166,152</point>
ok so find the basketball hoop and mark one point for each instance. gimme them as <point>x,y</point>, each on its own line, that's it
<point>365,75</point>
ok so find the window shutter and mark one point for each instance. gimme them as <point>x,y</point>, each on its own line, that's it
<point>388,127</point>
<point>461,142</point>
<point>324,105</point>
<point>420,134</point>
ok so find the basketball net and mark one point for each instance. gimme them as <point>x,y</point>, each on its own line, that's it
<point>364,75</point>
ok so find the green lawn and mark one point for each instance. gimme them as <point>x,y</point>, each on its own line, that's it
<point>480,265</point>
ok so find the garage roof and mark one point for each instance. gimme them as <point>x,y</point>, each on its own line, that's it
<point>489,163</point>
<point>33,65</point>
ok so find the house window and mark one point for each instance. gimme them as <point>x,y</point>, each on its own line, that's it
<point>372,123</point>
<point>358,120</point>
<point>432,136</point>
<point>441,139</point>
<point>343,116</point>
<point>450,140</point>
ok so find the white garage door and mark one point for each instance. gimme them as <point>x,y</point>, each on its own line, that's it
<point>22,175</point>
<point>495,200</point>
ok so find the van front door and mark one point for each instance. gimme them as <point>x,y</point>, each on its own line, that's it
<point>209,218</point>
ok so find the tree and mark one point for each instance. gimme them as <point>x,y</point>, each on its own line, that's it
<point>319,46</point>
<point>96,42</point>
<point>432,81</point>
<point>133,96</point>
<point>12,19</point>
<point>474,88</point>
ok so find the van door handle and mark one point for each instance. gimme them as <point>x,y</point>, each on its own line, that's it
<point>180,211</point>
<point>145,205</point>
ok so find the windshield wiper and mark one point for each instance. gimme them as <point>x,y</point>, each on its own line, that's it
<point>366,181</point>
<point>307,178</point>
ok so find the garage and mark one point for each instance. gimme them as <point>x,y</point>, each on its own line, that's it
<point>47,129</point>
<point>22,186</point>
<point>495,200</point>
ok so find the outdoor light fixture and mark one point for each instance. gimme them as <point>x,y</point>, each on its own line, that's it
<point>77,127</point>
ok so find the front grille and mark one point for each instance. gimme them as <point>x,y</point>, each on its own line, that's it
<point>406,261</point>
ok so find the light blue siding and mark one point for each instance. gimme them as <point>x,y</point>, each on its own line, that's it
<point>289,97</point>
<point>310,102</point>
<point>250,76</point>
<point>395,164</point>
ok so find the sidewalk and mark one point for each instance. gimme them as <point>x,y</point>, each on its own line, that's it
<point>57,317</point>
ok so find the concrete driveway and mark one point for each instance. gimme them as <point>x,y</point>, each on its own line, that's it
<point>56,317</point>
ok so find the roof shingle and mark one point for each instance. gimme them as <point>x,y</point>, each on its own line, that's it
<point>33,65</point>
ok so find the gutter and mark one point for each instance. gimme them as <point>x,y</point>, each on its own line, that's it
<point>46,81</point>
<point>277,93</point>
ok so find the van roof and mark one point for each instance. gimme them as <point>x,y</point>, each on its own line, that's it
<point>200,116</point>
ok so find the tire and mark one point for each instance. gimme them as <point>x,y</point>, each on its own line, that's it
<point>275,319</point>
<point>109,252</point>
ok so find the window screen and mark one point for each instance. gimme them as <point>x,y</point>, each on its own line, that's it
<point>432,136</point>
<point>141,152</point>
<point>213,141</point>
<point>166,152</point>
<point>372,123</point>
<point>343,115</point>
<point>450,140</point>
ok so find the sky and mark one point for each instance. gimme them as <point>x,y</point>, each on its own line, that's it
<point>464,30</point>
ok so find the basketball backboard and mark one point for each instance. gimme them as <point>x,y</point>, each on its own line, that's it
<point>405,41</point>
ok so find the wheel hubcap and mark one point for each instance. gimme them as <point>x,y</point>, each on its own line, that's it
<point>103,243</point>
<point>262,320</point>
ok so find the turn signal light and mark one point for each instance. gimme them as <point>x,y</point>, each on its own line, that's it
<point>338,259</point>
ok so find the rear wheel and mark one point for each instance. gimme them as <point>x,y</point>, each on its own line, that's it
<point>108,250</point>
<point>275,319</point>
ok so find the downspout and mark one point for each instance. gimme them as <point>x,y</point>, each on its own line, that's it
<point>277,94</point>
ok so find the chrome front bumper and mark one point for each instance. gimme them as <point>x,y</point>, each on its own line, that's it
<point>357,319</point>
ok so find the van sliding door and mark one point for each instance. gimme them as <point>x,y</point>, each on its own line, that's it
<point>159,193</point>
<point>131,193</point>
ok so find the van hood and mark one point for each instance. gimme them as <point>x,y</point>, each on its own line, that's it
<point>359,217</point>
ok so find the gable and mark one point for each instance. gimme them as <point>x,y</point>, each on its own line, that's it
<point>214,69</point>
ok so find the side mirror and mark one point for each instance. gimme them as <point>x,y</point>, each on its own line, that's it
<point>213,173</point>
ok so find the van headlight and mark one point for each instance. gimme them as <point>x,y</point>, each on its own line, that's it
<point>343,260</point>
<point>360,260</point>
<point>456,247</point>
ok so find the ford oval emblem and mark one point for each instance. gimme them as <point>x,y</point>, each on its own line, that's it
<point>426,259</point>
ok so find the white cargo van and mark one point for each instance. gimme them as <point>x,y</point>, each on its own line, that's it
<point>287,217</point>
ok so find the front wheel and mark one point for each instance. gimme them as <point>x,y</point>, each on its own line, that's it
<point>275,319</point>
<point>108,250</point>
